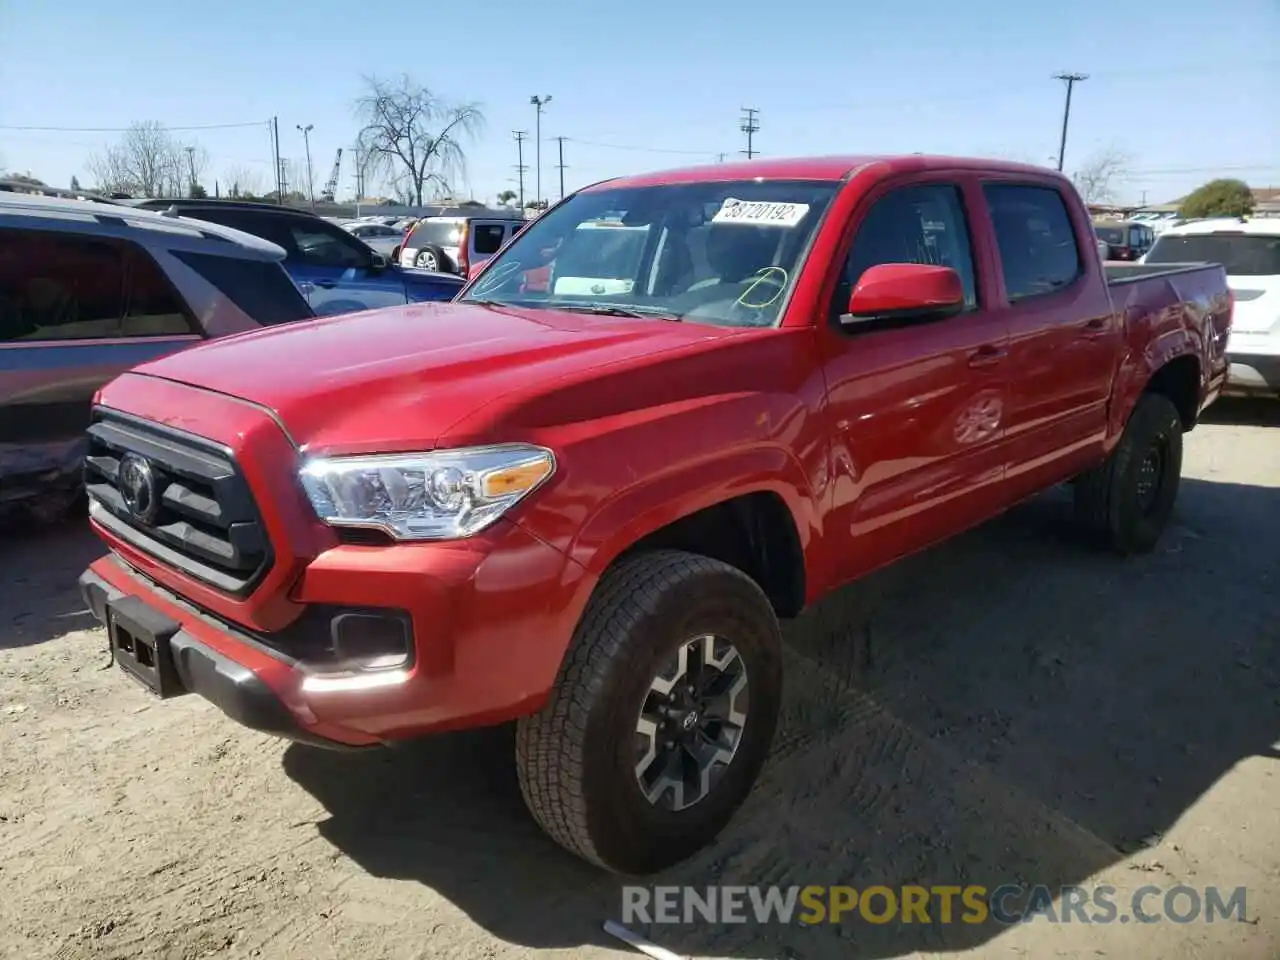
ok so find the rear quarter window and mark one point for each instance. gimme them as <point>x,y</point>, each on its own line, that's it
<point>261,289</point>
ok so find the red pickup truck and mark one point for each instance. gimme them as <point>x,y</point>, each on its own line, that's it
<point>583,503</point>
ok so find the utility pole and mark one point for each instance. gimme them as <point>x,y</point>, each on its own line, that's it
<point>560,165</point>
<point>521,168</point>
<point>275,146</point>
<point>282,177</point>
<point>538,104</point>
<point>306,139</point>
<point>750,126</point>
<point>191,167</point>
<point>721,156</point>
<point>1070,79</point>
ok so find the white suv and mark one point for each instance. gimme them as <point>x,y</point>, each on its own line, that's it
<point>1249,249</point>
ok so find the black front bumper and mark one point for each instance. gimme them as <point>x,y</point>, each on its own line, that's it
<point>234,689</point>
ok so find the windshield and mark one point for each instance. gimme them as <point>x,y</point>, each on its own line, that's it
<point>1242,254</point>
<point>723,253</point>
<point>1110,234</point>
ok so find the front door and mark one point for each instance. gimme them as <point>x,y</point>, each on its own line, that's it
<point>916,411</point>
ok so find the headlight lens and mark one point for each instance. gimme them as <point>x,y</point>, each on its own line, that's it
<point>444,495</point>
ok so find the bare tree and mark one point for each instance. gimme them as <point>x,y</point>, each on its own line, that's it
<point>1100,176</point>
<point>413,136</point>
<point>242,182</point>
<point>148,160</point>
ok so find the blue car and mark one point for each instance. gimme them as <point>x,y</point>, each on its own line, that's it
<point>337,272</point>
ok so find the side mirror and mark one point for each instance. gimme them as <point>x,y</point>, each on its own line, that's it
<point>905,291</point>
<point>378,262</point>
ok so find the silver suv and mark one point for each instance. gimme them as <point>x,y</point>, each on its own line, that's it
<point>456,244</point>
<point>89,290</point>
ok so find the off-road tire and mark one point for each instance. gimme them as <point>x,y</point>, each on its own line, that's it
<point>1107,497</point>
<point>574,758</point>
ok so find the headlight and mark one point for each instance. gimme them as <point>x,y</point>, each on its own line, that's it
<point>425,496</point>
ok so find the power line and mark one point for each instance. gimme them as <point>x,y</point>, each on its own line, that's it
<point>1070,79</point>
<point>634,149</point>
<point>750,126</point>
<point>206,126</point>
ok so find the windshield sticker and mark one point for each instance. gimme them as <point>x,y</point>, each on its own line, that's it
<point>591,286</point>
<point>760,214</point>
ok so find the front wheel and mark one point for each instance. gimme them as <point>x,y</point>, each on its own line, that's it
<point>1126,502</point>
<point>662,715</point>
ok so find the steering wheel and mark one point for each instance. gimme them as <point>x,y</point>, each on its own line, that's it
<point>762,291</point>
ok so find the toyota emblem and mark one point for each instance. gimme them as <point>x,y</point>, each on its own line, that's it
<point>138,488</point>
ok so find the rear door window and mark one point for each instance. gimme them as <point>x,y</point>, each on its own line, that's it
<point>59,287</point>
<point>261,289</point>
<point>487,238</point>
<point>55,286</point>
<point>1038,251</point>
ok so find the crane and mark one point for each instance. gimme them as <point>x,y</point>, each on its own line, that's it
<point>331,185</point>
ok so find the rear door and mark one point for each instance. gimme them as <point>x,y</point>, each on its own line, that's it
<point>75,312</point>
<point>1064,337</point>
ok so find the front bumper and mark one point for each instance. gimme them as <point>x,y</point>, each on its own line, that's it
<point>1253,373</point>
<point>490,626</point>
<point>229,685</point>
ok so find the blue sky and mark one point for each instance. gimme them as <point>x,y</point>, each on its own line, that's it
<point>1184,88</point>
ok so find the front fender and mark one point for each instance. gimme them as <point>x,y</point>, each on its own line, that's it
<point>627,515</point>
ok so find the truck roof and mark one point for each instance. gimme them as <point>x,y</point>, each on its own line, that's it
<point>833,168</point>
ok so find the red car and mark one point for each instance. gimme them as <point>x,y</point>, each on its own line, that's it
<point>585,507</point>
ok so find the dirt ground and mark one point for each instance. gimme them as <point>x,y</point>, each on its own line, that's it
<point>1006,708</point>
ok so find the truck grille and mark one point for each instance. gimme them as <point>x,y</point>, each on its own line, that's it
<point>179,498</point>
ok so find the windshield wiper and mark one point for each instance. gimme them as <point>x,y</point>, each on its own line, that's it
<point>613,310</point>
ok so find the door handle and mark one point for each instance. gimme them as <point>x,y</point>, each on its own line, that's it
<point>1095,328</point>
<point>987,356</point>
<point>327,284</point>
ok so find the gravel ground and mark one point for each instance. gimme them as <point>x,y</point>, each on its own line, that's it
<point>1008,707</point>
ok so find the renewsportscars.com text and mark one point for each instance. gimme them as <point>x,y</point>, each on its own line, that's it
<point>972,904</point>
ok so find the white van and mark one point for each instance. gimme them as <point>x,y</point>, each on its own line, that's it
<point>1250,252</point>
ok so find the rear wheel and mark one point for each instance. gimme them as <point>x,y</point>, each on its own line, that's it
<point>662,715</point>
<point>1126,503</point>
<point>430,258</point>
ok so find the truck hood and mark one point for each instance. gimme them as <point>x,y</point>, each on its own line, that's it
<point>397,379</point>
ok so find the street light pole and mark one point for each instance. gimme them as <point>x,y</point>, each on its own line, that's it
<point>306,139</point>
<point>538,104</point>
